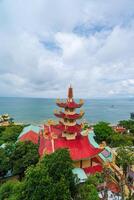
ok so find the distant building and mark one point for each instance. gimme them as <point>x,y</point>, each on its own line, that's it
<point>119,129</point>
<point>30,133</point>
<point>132,115</point>
<point>5,120</point>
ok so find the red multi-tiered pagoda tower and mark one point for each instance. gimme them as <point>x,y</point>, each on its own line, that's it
<point>68,125</point>
<point>69,134</point>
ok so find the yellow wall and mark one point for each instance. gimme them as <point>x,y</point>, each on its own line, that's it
<point>84,163</point>
<point>76,164</point>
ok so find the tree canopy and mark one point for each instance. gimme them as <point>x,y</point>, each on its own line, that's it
<point>51,178</point>
<point>10,133</point>
<point>10,190</point>
<point>125,158</point>
<point>4,162</point>
<point>118,140</point>
<point>24,154</point>
<point>129,125</point>
<point>88,190</point>
<point>59,165</point>
<point>102,131</point>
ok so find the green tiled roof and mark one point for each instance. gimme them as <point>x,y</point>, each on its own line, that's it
<point>91,136</point>
<point>33,128</point>
<point>81,174</point>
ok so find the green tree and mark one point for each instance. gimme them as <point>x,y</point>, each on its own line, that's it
<point>117,140</point>
<point>2,128</point>
<point>125,158</point>
<point>37,184</point>
<point>47,182</point>
<point>9,190</point>
<point>128,124</point>
<point>103,131</point>
<point>88,190</point>
<point>95,179</point>
<point>4,162</point>
<point>61,190</point>
<point>10,133</point>
<point>5,153</point>
<point>59,165</point>
<point>24,154</point>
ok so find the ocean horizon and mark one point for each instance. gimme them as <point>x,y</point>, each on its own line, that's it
<point>38,110</point>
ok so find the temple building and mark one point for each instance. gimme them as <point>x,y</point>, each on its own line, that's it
<point>67,133</point>
<point>6,120</point>
<point>78,137</point>
<point>30,133</point>
<point>74,136</point>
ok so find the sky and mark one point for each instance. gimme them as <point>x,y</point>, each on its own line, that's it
<point>46,45</point>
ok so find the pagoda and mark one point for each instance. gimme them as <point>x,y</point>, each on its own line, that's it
<point>68,117</point>
<point>70,134</point>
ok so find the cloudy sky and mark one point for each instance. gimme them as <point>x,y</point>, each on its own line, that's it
<point>47,44</point>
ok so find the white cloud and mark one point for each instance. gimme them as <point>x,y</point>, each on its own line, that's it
<point>98,62</point>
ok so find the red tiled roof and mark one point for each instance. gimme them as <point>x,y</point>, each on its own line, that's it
<point>31,135</point>
<point>119,129</point>
<point>113,187</point>
<point>69,105</point>
<point>95,160</point>
<point>71,129</point>
<point>67,116</point>
<point>79,148</point>
<point>93,169</point>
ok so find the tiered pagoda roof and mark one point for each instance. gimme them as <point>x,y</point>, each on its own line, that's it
<point>69,116</point>
<point>71,129</point>
<point>68,104</point>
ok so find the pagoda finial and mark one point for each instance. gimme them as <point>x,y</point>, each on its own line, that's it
<point>70,92</point>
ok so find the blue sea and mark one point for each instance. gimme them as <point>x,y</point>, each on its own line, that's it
<point>38,110</point>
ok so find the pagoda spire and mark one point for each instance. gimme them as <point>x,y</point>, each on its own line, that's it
<point>70,93</point>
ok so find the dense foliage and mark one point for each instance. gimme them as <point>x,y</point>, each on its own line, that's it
<point>24,154</point>
<point>10,133</point>
<point>44,181</point>
<point>39,184</point>
<point>49,179</point>
<point>128,124</point>
<point>59,166</point>
<point>118,140</point>
<point>88,191</point>
<point>104,132</point>
<point>4,162</point>
<point>17,157</point>
<point>10,190</point>
<point>125,158</point>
